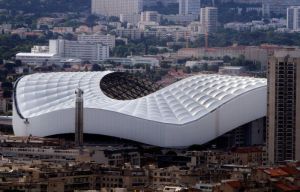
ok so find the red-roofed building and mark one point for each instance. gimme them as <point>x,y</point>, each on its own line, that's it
<point>292,171</point>
<point>231,186</point>
<point>282,187</point>
<point>276,172</point>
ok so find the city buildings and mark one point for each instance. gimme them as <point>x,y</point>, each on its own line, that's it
<point>37,58</point>
<point>116,7</point>
<point>132,34</point>
<point>150,16</point>
<point>231,70</point>
<point>135,60</point>
<point>187,7</point>
<point>293,18</point>
<point>180,19</point>
<point>85,50</point>
<point>130,18</point>
<point>260,25</point>
<point>209,19</point>
<point>60,50</point>
<point>194,108</point>
<point>108,40</point>
<point>283,123</point>
<point>277,7</point>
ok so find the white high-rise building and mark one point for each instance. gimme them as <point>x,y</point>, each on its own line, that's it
<point>209,18</point>
<point>187,7</point>
<point>293,18</point>
<point>116,7</point>
<point>79,49</point>
<point>130,18</point>
<point>109,40</point>
<point>150,16</point>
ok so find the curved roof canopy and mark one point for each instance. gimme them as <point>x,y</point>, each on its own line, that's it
<point>40,97</point>
<point>179,103</point>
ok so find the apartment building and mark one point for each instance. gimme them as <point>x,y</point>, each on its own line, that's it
<point>277,7</point>
<point>89,51</point>
<point>150,16</point>
<point>187,7</point>
<point>116,7</point>
<point>108,40</point>
<point>133,34</point>
<point>283,122</point>
<point>293,18</point>
<point>209,19</point>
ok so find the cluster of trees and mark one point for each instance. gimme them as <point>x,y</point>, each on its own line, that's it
<point>229,12</point>
<point>12,44</point>
<point>143,46</point>
<point>46,6</point>
<point>229,37</point>
<point>241,61</point>
<point>6,83</point>
<point>172,8</point>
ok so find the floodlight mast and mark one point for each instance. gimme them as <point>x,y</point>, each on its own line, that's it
<point>79,117</point>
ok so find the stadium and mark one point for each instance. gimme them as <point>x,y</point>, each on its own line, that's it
<point>194,110</point>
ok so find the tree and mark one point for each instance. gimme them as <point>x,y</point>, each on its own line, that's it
<point>165,65</point>
<point>195,69</point>
<point>153,50</point>
<point>113,19</point>
<point>7,94</point>
<point>7,85</point>
<point>187,70</point>
<point>226,59</point>
<point>96,67</point>
<point>18,63</point>
<point>91,20</point>
<point>9,66</point>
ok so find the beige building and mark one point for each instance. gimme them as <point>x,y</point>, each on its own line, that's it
<point>209,19</point>
<point>283,122</point>
<point>116,7</point>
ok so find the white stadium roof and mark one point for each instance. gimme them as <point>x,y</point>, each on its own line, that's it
<point>207,105</point>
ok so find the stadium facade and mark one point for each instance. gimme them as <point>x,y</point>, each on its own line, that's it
<point>194,110</point>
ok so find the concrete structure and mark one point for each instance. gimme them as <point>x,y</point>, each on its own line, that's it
<point>203,63</point>
<point>130,18</point>
<point>191,111</point>
<point>79,117</point>
<point>133,60</point>
<point>253,53</point>
<point>209,18</point>
<point>180,19</point>
<point>258,25</point>
<point>171,31</point>
<point>293,18</point>
<point>231,70</point>
<point>129,33</point>
<point>37,58</point>
<point>283,123</point>
<point>109,40</point>
<point>116,7</point>
<point>89,51</point>
<point>277,7</point>
<point>150,16</point>
<point>60,51</point>
<point>187,7</point>
<point>40,49</point>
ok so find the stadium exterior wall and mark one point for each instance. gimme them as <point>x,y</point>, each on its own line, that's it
<point>243,109</point>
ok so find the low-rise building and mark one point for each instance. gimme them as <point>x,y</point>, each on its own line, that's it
<point>133,34</point>
<point>231,70</point>
<point>109,40</point>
